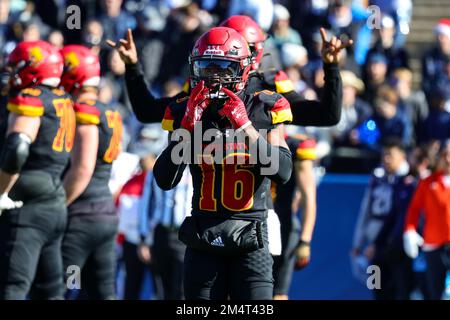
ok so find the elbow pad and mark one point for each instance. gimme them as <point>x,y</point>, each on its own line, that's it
<point>15,152</point>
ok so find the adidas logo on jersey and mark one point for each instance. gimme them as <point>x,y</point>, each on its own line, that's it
<point>218,242</point>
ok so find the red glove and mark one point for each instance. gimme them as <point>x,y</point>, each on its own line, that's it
<point>196,104</point>
<point>234,110</point>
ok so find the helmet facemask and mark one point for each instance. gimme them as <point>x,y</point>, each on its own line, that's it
<point>219,72</point>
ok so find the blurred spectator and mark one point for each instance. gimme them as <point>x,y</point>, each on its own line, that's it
<point>421,161</point>
<point>434,61</point>
<point>354,111</point>
<point>185,24</point>
<point>431,201</point>
<point>412,103</point>
<point>114,20</point>
<point>294,57</point>
<point>397,57</point>
<point>390,122</point>
<point>401,11</point>
<point>260,10</point>
<point>375,76</point>
<point>342,23</point>
<point>150,43</point>
<point>92,36</point>
<point>281,31</point>
<point>159,227</point>
<point>443,83</point>
<point>56,38</point>
<point>5,22</point>
<point>437,125</point>
<point>378,233</point>
<point>307,16</point>
<point>130,203</point>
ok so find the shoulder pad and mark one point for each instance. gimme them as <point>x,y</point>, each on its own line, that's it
<point>282,82</point>
<point>27,103</point>
<point>278,107</point>
<point>305,148</point>
<point>87,112</point>
<point>174,113</point>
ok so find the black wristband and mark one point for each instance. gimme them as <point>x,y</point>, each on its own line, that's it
<point>305,243</point>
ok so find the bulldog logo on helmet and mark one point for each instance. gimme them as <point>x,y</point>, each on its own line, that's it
<point>35,55</point>
<point>71,61</point>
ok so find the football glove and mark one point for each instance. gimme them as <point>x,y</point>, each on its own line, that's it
<point>302,255</point>
<point>234,110</point>
<point>6,203</point>
<point>411,243</point>
<point>196,104</point>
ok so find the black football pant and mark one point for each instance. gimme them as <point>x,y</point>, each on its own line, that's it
<point>438,263</point>
<point>88,245</point>
<point>30,242</point>
<point>283,265</point>
<point>217,277</point>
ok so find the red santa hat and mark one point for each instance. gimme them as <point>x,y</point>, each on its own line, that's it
<point>443,27</point>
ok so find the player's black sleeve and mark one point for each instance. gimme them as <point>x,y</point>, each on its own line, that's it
<point>278,156</point>
<point>146,107</point>
<point>167,173</point>
<point>327,111</point>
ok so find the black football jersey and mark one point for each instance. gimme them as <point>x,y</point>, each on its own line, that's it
<point>110,129</point>
<point>273,80</point>
<point>302,148</point>
<point>230,190</point>
<point>51,149</point>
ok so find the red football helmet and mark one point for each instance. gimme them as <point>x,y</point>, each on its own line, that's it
<point>33,63</point>
<point>81,68</point>
<point>221,57</point>
<point>252,32</point>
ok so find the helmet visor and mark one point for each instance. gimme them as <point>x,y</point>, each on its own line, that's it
<point>215,68</point>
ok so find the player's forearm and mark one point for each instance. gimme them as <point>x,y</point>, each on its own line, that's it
<point>168,170</point>
<point>275,160</point>
<point>146,107</point>
<point>307,185</point>
<point>327,111</point>
<point>308,218</point>
<point>75,182</point>
<point>7,181</point>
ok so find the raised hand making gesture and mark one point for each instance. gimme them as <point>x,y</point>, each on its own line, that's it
<point>331,50</point>
<point>126,48</point>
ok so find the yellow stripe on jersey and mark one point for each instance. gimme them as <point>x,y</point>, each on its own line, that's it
<point>26,110</point>
<point>281,116</point>
<point>284,86</point>
<point>167,124</point>
<point>86,118</point>
<point>306,154</point>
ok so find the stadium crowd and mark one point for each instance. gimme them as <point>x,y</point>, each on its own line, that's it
<point>385,120</point>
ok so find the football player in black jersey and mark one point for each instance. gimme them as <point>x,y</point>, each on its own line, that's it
<point>39,137</point>
<point>227,250</point>
<point>90,236</point>
<point>326,112</point>
<point>298,193</point>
